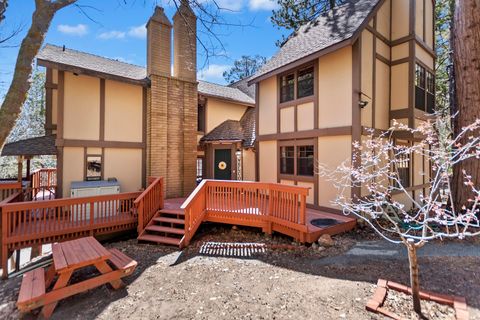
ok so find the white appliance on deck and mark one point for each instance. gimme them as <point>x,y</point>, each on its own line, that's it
<point>80,189</point>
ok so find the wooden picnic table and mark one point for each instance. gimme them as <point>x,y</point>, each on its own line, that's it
<point>68,257</point>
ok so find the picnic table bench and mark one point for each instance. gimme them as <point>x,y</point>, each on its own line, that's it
<point>68,257</point>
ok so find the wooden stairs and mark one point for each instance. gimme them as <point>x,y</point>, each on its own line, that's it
<point>166,227</point>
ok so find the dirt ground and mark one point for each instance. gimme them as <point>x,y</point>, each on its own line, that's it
<point>277,284</point>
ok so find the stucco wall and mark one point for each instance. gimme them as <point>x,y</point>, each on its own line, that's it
<point>218,111</point>
<point>419,18</point>
<point>311,195</point>
<point>268,161</point>
<point>382,95</point>
<point>429,22</point>
<point>248,159</point>
<point>305,116</point>
<point>400,51</point>
<point>400,21</point>
<point>126,166</point>
<point>268,106</point>
<point>123,112</point>
<point>399,86</point>
<point>287,119</point>
<point>73,168</point>
<point>81,107</point>
<point>335,89</point>
<point>423,56</point>
<point>367,77</point>
<point>332,151</point>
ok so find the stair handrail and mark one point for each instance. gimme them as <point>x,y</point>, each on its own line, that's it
<point>194,209</point>
<point>149,202</point>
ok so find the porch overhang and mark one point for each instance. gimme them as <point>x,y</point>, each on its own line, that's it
<point>38,146</point>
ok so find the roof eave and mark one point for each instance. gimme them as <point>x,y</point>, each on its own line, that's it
<point>79,70</point>
<point>244,103</point>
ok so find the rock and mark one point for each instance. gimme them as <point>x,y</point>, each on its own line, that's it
<point>314,246</point>
<point>320,249</point>
<point>234,228</point>
<point>326,241</point>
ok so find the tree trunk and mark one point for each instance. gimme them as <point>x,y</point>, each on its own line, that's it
<point>17,92</point>
<point>466,56</point>
<point>414,277</point>
<point>3,8</point>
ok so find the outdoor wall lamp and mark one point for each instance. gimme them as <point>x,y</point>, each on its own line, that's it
<point>363,103</point>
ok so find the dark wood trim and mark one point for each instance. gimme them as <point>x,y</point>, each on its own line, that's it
<point>374,75</point>
<point>399,113</point>
<point>102,110</point>
<point>99,144</point>
<point>60,103</point>
<point>316,95</point>
<point>88,72</point>
<point>50,85</point>
<point>59,193</point>
<point>399,61</point>
<point>378,35</point>
<point>425,47</point>
<point>356,110</point>
<point>48,101</point>
<point>323,132</point>
<point>402,40</point>
<point>296,102</point>
<point>381,58</point>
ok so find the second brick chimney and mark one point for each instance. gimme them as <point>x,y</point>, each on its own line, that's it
<point>159,44</point>
<point>185,43</point>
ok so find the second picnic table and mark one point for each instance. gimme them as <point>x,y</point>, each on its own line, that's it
<point>68,257</point>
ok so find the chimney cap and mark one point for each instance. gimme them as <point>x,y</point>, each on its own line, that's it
<point>184,9</point>
<point>160,17</point>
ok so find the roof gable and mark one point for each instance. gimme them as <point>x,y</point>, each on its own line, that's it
<point>332,28</point>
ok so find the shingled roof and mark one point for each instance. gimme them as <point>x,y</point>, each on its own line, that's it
<point>234,130</point>
<point>244,87</point>
<point>223,92</point>
<point>329,29</point>
<point>37,146</point>
<point>72,59</point>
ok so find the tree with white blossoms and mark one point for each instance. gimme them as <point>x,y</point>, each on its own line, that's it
<point>375,169</point>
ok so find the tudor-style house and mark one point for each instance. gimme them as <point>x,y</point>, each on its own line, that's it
<point>357,67</point>
<point>113,124</point>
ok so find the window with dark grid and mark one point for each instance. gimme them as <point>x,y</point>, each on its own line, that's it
<point>305,160</point>
<point>305,83</point>
<point>199,168</point>
<point>419,87</point>
<point>287,160</point>
<point>403,168</point>
<point>287,87</point>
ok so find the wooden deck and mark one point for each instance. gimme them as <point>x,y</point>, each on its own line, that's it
<point>313,232</point>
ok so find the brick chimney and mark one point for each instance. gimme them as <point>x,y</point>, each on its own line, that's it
<point>185,43</point>
<point>159,44</point>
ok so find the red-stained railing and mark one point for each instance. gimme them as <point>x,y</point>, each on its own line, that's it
<point>149,202</point>
<point>25,224</point>
<point>9,188</point>
<point>246,203</point>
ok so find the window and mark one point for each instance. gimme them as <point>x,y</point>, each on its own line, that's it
<point>287,160</point>
<point>424,89</point>
<point>94,168</point>
<point>403,168</point>
<point>305,160</point>
<point>298,84</point>
<point>287,88</point>
<point>305,82</point>
<point>199,169</point>
<point>201,118</point>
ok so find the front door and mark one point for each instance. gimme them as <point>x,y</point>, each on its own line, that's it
<point>223,164</point>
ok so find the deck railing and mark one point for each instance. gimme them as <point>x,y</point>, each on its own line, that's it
<point>149,202</point>
<point>29,223</point>
<point>43,185</point>
<point>9,188</point>
<point>247,203</point>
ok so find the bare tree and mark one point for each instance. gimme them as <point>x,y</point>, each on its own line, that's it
<point>432,215</point>
<point>3,8</point>
<point>16,94</point>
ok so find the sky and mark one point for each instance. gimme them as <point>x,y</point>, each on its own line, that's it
<point>118,31</point>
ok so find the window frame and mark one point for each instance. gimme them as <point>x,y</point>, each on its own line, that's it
<point>427,82</point>
<point>295,71</point>
<point>296,144</point>
<point>410,162</point>
<point>96,178</point>
<point>201,118</point>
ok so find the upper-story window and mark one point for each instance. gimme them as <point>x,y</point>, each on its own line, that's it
<point>305,82</point>
<point>424,89</point>
<point>287,88</point>
<point>302,80</point>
